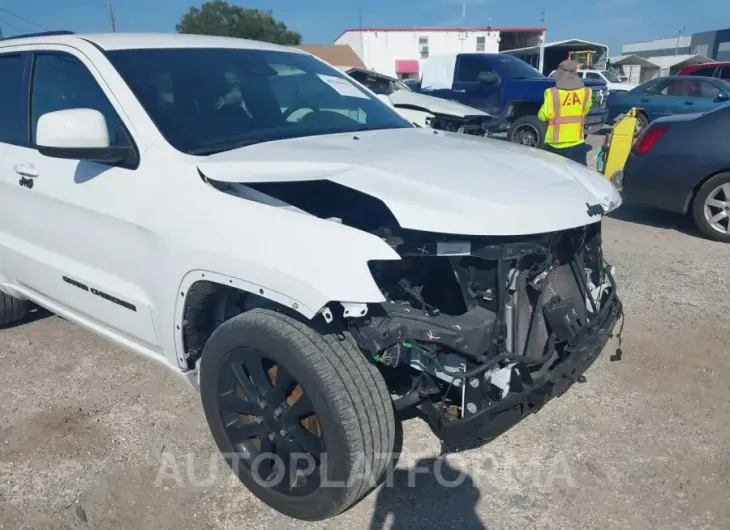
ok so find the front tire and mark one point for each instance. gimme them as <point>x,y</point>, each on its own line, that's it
<point>527,130</point>
<point>11,309</point>
<point>272,385</point>
<point>711,208</point>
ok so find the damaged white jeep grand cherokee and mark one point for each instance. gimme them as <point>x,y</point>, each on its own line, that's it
<point>250,217</point>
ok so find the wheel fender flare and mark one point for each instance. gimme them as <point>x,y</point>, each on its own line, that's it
<point>519,108</point>
<point>262,291</point>
<point>689,201</point>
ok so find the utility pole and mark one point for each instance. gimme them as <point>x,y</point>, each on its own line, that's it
<point>679,36</point>
<point>362,53</point>
<point>111,15</point>
<point>543,20</point>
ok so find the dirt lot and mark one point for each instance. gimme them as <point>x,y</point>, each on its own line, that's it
<point>94,437</point>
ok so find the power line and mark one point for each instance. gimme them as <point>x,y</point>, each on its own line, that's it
<point>23,19</point>
<point>4,22</point>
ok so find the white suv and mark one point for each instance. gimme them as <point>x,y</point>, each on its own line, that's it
<point>265,226</point>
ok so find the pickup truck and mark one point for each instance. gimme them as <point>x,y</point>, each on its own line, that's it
<point>505,87</point>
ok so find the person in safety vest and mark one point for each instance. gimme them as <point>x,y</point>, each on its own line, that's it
<point>564,109</point>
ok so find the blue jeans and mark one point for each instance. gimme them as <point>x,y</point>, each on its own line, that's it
<point>577,153</point>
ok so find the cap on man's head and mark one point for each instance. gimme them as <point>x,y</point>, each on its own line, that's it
<point>566,76</point>
<point>568,65</point>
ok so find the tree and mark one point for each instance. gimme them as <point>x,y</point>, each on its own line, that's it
<point>218,17</point>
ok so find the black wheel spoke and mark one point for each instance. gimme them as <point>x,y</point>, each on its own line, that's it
<point>232,403</point>
<point>252,393</point>
<point>244,431</point>
<point>283,383</point>
<point>311,443</point>
<point>255,367</point>
<point>301,408</point>
<point>266,466</point>
<point>293,460</point>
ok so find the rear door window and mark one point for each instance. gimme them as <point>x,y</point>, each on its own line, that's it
<point>724,73</point>
<point>470,68</point>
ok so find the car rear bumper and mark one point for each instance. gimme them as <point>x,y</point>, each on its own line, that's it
<point>500,416</point>
<point>657,183</point>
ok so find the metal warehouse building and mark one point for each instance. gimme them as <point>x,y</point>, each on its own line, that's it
<point>641,61</point>
<point>713,44</point>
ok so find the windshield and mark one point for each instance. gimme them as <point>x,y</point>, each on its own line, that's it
<point>610,76</point>
<point>207,100</point>
<point>400,85</point>
<point>517,68</point>
<point>378,84</point>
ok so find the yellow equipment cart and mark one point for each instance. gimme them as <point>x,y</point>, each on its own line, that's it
<point>611,156</point>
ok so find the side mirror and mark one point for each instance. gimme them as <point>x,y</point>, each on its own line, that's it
<point>77,134</point>
<point>722,96</point>
<point>488,78</point>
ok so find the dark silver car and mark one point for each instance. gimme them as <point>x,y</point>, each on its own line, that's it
<point>682,164</point>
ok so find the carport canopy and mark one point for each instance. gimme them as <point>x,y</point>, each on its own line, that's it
<point>676,61</point>
<point>555,52</point>
<point>661,62</point>
<point>632,60</point>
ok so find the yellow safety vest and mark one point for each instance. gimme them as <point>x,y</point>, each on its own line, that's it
<point>565,111</point>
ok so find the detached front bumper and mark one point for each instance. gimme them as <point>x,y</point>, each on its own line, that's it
<point>495,419</point>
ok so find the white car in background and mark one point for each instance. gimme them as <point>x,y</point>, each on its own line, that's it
<point>613,82</point>
<point>422,109</point>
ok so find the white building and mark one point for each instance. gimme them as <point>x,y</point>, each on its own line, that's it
<point>398,51</point>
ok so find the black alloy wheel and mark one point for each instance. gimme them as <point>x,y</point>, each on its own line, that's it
<point>270,421</point>
<point>301,416</point>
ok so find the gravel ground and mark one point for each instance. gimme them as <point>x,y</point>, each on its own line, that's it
<point>94,437</point>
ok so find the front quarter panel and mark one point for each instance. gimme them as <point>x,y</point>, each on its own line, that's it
<point>294,259</point>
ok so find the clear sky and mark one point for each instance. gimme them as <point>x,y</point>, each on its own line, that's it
<point>611,22</point>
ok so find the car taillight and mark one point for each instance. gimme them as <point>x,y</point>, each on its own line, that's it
<point>648,138</point>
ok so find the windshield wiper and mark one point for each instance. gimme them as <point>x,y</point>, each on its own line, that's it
<point>213,149</point>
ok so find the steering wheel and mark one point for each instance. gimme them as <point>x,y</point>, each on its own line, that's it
<point>299,106</point>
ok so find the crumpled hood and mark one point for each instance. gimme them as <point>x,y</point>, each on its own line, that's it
<point>434,181</point>
<point>434,104</point>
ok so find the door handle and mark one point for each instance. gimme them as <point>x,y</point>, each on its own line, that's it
<point>26,170</point>
<point>645,100</point>
<point>689,103</point>
<point>459,91</point>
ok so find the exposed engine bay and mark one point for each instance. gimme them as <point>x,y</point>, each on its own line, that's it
<point>474,125</point>
<point>472,325</point>
<point>482,318</point>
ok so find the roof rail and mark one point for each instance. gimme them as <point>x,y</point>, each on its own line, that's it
<point>41,34</point>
